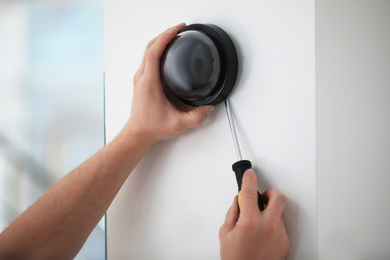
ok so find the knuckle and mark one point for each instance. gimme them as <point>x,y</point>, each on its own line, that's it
<point>165,38</point>
<point>281,197</point>
<point>278,196</point>
<point>177,127</point>
<point>150,55</point>
<point>198,119</point>
<point>250,222</point>
<point>149,45</point>
<point>249,194</point>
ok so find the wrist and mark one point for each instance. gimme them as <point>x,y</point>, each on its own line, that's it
<point>133,136</point>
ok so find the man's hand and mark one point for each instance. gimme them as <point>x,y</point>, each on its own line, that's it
<point>152,116</point>
<point>58,224</point>
<point>252,234</point>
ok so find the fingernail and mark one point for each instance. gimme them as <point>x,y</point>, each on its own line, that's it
<point>209,110</point>
<point>250,171</point>
<point>172,29</point>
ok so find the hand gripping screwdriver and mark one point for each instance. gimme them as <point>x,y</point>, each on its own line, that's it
<point>241,165</point>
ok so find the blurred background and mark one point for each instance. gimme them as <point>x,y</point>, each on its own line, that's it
<point>51,100</point>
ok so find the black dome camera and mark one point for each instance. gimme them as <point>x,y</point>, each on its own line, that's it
<point>199,66</point>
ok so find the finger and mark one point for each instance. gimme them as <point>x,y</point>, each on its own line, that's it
<point>249,197</point>
<point>196,116</point>
<point>150,44</point>
<point>154,53</point>
<point>231,218</point>
<point>276,202</point>
<point>141,69</point>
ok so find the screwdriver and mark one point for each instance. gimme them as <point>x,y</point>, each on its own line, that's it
<point>241,165</point>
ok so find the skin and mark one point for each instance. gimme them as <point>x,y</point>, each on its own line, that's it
<point>57,225</point>
<point>251,233</point>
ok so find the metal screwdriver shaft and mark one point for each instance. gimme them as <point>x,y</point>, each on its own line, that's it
<point>241,165</point>
<point>233,130</point>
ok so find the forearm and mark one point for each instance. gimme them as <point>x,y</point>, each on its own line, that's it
<point>57,225</point>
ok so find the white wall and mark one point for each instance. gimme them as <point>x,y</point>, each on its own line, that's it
<point>174,202</point>
<point>353,128</point>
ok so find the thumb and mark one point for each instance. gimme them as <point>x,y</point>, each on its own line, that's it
<point>197,116</point>
<point>249,195</point>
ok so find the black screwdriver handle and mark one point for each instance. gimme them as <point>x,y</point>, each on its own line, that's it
<point>239,168</point>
